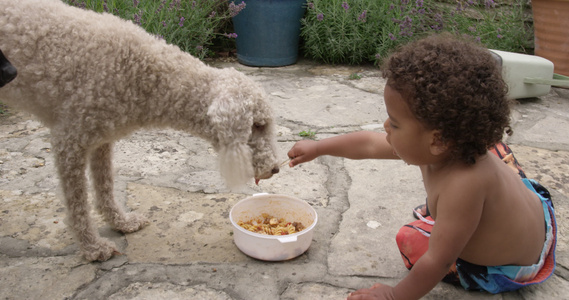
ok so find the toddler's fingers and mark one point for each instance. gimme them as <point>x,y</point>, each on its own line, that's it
<point>292,162</point>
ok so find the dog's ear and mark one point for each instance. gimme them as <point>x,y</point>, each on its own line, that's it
<point>232,121</point>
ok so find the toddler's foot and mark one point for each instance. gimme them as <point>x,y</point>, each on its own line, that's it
<point>421,210</point>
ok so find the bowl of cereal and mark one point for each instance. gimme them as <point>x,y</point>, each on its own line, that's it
<point>273,227</point>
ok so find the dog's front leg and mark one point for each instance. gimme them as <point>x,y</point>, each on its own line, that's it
<point>102,176</point>
<point>71,165</point>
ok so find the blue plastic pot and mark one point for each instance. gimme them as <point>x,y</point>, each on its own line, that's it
<point>268,32</point>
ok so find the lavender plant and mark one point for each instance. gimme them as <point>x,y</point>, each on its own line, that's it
<point>354,31</point>
<point>337,31</point>
<point>504,27</point>
<point>191,25</point>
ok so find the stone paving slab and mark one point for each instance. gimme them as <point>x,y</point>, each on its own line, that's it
<point>187,252</point>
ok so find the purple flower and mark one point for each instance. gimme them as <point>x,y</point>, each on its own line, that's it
<point>391,6</point>
<point>362,17</point>
<point>138,18</point>
<point>437,27</point>
<point>499,36</point>
<point>404,2</point>
<point>182,19</point>
<point>199,48</point>
<point>175,3</point>
<point>392,37</point>
<point>105,7</point>
<point>160,7</point>
<point>310,5</point>
<point>163,23</point>
<point>407,22</point>
<point>212,15</point>
<point>459,6</point>
<point>378,56</point>
<point>405,26</point>
<point>345,6</point>
<point>235,9</point>
<point>135,2</point>
<point>489,3</point>
<point>231,35</point>
<point>472,29</point>
<point>81,4</point>
<point>320,17</point>
<point>419,3</point>
<point>439,21</point>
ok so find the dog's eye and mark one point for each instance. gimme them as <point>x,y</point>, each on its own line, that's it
<point>258,126</point>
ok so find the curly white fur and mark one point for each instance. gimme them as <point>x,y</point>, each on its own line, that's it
<point>94,78</point>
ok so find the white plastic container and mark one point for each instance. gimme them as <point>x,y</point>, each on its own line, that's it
<point>271,247</point>
<point>522,71</point>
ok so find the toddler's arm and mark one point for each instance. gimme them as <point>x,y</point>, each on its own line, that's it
<point>456,222</point>
<point>355,145</point>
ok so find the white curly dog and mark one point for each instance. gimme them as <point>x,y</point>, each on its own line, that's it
<point>94,78</point>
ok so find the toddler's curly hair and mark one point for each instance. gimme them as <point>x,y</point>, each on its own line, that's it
<point>454,86</point>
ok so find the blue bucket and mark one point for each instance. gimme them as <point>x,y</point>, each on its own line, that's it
<point>268,32</point>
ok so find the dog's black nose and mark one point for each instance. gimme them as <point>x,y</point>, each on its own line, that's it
<point>7,74</point>
<point>7,71</point>
<point>275,170</point>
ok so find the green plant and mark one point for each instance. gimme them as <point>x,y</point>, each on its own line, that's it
<point>350,31</point>
<point>502,27</point>
<point>3,109</point>
<point>191,25</point>
<point>307,134</point>
<point>334,31</point>
<point>355,76</point>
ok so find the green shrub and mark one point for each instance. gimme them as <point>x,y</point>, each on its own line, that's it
<point>191,25</point>
<point>355,31</point>
<point>503,27</point>
<point>333,33</point>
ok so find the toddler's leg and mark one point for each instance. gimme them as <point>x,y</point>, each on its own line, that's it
<point>413,241</point>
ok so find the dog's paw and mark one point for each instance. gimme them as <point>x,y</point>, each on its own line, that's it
<point>131,223</point>
<point>103,250</point>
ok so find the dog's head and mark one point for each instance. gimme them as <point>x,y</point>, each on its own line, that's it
<point>7,70</point>
<point>244,131</point>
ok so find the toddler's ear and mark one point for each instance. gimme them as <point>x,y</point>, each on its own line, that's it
<point>438,146</point>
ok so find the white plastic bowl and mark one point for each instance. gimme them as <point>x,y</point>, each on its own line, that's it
<point>273,247</point>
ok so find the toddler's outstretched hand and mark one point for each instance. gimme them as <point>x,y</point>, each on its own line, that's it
<point>302,151</point>
<point>377,291</point>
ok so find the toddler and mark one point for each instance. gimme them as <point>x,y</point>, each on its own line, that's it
<point>489,228</point>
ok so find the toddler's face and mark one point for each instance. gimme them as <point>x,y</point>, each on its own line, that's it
<point>409,139</point>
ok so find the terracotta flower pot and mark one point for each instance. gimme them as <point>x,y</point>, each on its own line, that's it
<point>551,30</point>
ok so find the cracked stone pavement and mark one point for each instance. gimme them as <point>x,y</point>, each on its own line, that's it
<point>188,252</point>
